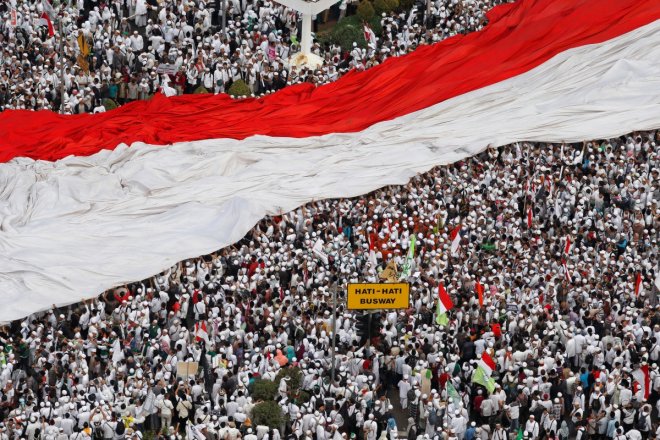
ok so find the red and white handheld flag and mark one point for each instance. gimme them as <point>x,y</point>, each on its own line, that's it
<point>200,332</point>
<point>530,217</point>
<point>446,304</point>
<point>455,237</point>
<point>639,287</point>
<point>487,363</point>
<point>47,17</point>
<point>567,247</point>
<point>370,36</point>
<point>567,274</point>
<point>45,21</point>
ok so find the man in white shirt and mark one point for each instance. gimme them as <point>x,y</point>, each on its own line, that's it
<point>370,428</point>
<point>532,428</point>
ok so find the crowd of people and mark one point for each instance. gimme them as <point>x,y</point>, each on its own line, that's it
<point>128,50</point>
<point>562,239</point>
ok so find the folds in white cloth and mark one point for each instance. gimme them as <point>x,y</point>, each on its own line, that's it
<point>73,228</point>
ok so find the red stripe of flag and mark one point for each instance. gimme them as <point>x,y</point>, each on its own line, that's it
<point>638,283</point>
<point>455,237</point>
<point>485,357</point>
<point>45,19</point>
<point>519,37</point>
<point>480,292</point>
<point>444,297</point>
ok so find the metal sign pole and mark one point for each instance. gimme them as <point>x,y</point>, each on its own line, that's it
<point>334,330</point>
<point>369,331</point>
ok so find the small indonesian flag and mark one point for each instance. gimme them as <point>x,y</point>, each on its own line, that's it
<point>639,287</point>
<point>45,21</point>
<point>567,274</point>
<point>455,236</point>
<point>370,36</point>
<point>567,247</point>
<point>480,292</point>
<point>200,332</point>
<point>487,363</point>
<point>445,303</point>
<point>530,217</point>
<point>643,378</point>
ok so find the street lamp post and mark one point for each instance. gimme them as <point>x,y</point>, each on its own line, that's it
<point>307,9</point>
<point>334,330</point>
<point>62,60</point>
<point>334,316</point>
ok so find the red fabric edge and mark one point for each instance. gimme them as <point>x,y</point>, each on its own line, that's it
<point>519,37</point>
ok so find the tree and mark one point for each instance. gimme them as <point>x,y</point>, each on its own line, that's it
<point>264,389</point>
<point>365,10</point>
<point>392,5</point>
<point>109,104</point>
<point>267,413</point>
<point>381,6</point>
<point>239,88</point>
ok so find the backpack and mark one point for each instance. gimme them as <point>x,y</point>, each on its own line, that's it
<point>588,360</point>
<point>641,423</point>
<point>433,417</point>
<point>98,434</point>
<point>120,429</point>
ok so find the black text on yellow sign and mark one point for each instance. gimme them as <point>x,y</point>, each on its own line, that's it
<point>364,296</point>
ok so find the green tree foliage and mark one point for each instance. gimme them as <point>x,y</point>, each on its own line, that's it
<point>365,10</point>
<point>267,413</point>
<point>264,389</point>
<point>239,88</point>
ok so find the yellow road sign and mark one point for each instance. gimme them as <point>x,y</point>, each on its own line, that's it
<point>365,296</point>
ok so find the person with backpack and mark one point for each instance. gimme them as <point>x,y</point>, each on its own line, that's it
<point>532,428</point>
<point>433,420</point>
<point>628,417</point>
<point>643,424</point>
<point>120,431</point>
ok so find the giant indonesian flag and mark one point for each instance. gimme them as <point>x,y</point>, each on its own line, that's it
<point>88,202</point>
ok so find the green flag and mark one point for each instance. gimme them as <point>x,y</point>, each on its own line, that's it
<point>441,318</point>
<point>479,377</point>
<point>519,436</point>
<point>453,394</point>
<point>407,265</point>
